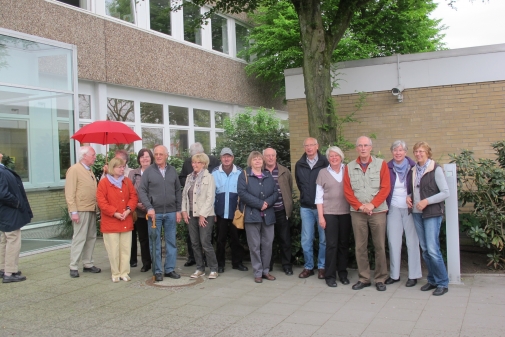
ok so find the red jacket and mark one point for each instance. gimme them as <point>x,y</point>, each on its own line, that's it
<point>111,200</point>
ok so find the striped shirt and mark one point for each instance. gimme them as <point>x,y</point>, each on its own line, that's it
<point>279,204</point>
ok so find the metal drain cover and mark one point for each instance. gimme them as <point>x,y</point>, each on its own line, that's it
<point>184,281</point>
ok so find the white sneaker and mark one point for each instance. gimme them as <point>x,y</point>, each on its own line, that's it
<point>115,279</point>
<point>197,274</point>
<point>213,275</point>
<point>126,278</point>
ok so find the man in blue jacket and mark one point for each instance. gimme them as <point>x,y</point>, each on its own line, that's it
<point>226,177</point>
<point>15,212</point>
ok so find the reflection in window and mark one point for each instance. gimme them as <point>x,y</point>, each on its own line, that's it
<point>219,33</point>
<point>64,148</point>
<point>192,23</point>
<point>178,142</point>
<point>64,107</point>
<point>178,115</point>
<point>151,113</point>
<point>128,147</point>
<point>204,138</point>
<point>201,118</point>
<point>160,16</point>
<point>84,106</point>
<point>76,3</point>
<point>121,9</point>
<point>220,117</point>
<point>241,40</point>
<point>219,140</point>
<point>14,140</point>
<point>151,137</point>
<point>120,110</point>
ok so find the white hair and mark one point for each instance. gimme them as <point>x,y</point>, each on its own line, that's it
<point>369,140</point>
<point>196,148</point>
<point>263,153</point>
<point>398,143</point>
<point>83,150</point>
<point>335,149</point>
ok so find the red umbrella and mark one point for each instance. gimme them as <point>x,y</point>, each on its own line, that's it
<point>106,132</point>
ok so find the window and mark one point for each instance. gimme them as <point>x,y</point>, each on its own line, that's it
<point>179,142</point>
<point>64,148</point>
<point>160,16</point>
<point>203,137</point>
<point>120,110</point>
<point>192,23</point>
<point>241,40</point>
<point>219,27</point>
<point>151,137</point>
<point>121,9</point>
<point>219,118</point>
<point>201,118</point>
<point>76,3</point>
<point>84,106</point>
<point>151,113</point>
<point>14,140</point>
<point>178,115</point>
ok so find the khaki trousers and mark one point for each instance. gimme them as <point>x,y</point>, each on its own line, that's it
<point>83,240</point>
<point>10,246</point>
<point>118,246</point>
<point>377,224</point>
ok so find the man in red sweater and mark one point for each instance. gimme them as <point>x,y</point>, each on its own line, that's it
<point>366,187</point>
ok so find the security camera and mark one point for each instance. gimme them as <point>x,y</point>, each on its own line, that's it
<point>397,90</point>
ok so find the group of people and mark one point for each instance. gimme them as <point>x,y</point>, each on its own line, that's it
<point>368,194</point>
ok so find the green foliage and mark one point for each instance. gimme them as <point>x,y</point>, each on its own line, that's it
<point>247,132</point>
<point>482,183</point>
<point>65,227</point>
<point>8,162</point>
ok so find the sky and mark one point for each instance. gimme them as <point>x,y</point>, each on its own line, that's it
<point>473,24</point>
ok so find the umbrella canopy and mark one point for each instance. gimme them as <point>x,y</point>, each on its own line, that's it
<point>106,132</point>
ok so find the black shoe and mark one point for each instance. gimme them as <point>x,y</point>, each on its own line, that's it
<point>360,285</point>
<point>74,273</point>
<point>173,275</point>
<point>158,277</point>
<point>189,263</point>
<point>220,270</point>
<point>240,267</point>
<point>92,270</point>
<point>344,280</point>
<point>288,271</point>
<point>411,282</point>
<point>18,278</point>
<point>438,292</point>
<point>144,269</point>
<point>2,273</point>
<point>392,280</point>
<point>331,282</point>
<point>133,265</point>
<point>428,286</point>
<point>380,286</point>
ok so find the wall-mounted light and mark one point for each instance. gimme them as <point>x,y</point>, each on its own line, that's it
<point>397,91</point>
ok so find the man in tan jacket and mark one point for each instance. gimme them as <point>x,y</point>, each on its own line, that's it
<point>80,193</point>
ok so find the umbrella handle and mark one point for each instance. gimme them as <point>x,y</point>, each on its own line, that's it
<point>154,221</point>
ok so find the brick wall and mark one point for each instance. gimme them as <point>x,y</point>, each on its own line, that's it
<point>46,205</point>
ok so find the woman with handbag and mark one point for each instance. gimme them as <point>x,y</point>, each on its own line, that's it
<point>258,192</point>
<point>145,158</point>
<point>198,213</point>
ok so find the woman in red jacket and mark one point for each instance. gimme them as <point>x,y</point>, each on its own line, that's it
<point>117,199</point>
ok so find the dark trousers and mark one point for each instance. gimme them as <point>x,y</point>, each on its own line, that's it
<point>283,234</point>
<point>223,228</point>
<point>337,232</point>
<point>191,255</point>
<point>140,227</point>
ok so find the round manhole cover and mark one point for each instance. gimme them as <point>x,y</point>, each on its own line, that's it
<point>184,281</point>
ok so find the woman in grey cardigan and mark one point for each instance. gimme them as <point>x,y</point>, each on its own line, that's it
<point>258,192</point>
<point>334,217</point>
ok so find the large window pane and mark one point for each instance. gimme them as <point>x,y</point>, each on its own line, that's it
<point>219,33</point>
<point>241,40</point>
<point>160,16</point>
<point>192,31</point>
<point>152,137</point>
<point>204,138</point>
<point>76,3</point>
<point>14,142</point>
<point>178,115</point>
<point>64,148</point>
<point>201,118</point>
<point>84,106</point>
<point>120,110</point>
<point>120,9</point>
<point>34,64</point>
<point>178,142</point>
<point>151,113</point>
<point>220,117</point>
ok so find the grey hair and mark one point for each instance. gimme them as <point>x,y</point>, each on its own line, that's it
<point>164,147</point>
<point>83,150</point>
<point>335,149</point>
<point>124,155</point>
<point>397,143</point>
<point>369,140</point>
<point>309,138</point>
<point>263,152</point>
<point>196,148</point>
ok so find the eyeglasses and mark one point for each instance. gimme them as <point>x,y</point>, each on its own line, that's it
<point>120,167</point>
<point>363,146</point>
<point>269,155</point>
<point>197,162</point>
<point>419,151</point>
<point>309,145</point>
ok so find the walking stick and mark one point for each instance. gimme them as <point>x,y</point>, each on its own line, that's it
<point>153,236</point>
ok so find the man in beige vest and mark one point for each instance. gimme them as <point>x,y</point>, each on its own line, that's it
<point>80,193</point>
<point>366,187</point>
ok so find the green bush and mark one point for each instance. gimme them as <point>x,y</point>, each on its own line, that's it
<point>65,228</point>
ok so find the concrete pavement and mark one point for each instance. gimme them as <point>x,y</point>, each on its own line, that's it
<point>50,303</point>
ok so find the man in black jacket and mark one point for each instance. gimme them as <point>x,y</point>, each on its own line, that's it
<point>306,172</point>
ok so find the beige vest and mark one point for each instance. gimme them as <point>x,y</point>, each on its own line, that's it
<point>366,185</point>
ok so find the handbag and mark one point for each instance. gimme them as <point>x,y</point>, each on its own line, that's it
<point>238,218</point>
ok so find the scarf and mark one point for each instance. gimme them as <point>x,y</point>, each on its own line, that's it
<point>402,169</point>
<point>116,182</point>
<point>195,179</point>
<point>420,171</point>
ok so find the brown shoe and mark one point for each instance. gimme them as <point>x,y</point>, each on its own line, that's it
<point>268,277</point>
<point>306,273</point>
<point>320,274</point>
<point>258,280</point>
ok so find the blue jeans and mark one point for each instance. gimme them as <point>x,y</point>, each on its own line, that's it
<point>428,231</point>
<point>309,219</point>
<point>167,221</point>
